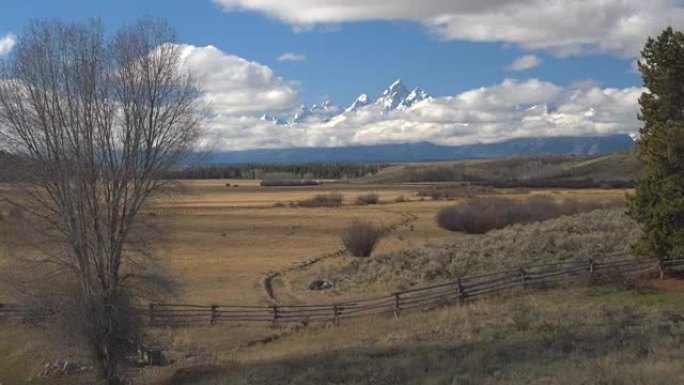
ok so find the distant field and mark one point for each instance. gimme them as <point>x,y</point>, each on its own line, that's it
<point>529,170</point>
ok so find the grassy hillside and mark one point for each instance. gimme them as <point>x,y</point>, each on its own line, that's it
<point>539,171</point>
<point>597,234</point>
<point>563,337</point>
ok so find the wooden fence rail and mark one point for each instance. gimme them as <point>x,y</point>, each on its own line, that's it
<point>455,291</point>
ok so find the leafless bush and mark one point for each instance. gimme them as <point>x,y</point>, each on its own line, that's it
<point>360,237</point>
<point>481,215</point>
<point>400,199</point>
<point>322,200</point>
<point>368,199</point>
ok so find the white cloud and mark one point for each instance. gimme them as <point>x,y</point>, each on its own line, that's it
<point>511,109</point>
<point>7,43</point>
<point>289,56</point>
<point>525,62</point>
<point>235,86</point>
<point>563,27</point>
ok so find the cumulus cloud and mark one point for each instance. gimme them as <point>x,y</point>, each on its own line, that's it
<point>289,56</point>
<point>525,62</point>
<point>511,109</point>
<point>235,86</point>
<point>563,27</point>
<point>7,43</point>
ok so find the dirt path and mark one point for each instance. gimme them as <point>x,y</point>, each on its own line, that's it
<point>407,218</point>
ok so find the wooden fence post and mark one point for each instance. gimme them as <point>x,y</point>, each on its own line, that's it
<point>274,322</point>
<point>397,304</point>
<point>661,266</point>
<point>591,267</point>
<point>151,314</point>
<point>523,277</point>
<point>214,315</point>
<point>336,313</point>
<point>459,291</point>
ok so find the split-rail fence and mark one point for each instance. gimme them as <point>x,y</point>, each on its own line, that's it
<point>455,291</point>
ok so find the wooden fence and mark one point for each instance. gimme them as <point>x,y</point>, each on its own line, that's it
<point>459,290</point>
<point>455,291</point>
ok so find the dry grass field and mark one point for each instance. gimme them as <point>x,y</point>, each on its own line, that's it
<point>224,241</point>
<point>235,236</point>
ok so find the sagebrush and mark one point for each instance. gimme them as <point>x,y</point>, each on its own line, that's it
<point>322,200</point>
<point>599,234</point>
<point>480,215</point>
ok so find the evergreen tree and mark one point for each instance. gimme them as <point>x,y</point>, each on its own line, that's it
<point>658,203</point>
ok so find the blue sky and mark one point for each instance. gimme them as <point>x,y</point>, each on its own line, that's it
<point>343,60</point>
<point>450,48</point>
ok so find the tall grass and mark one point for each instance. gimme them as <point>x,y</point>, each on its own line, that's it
<point>480,215</point>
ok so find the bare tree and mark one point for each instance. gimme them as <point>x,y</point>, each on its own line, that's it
<point>93,123</point>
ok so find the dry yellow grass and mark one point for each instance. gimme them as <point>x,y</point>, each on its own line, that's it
<point>223,250</point>
<point>223,247</point>
<point>568,336</point>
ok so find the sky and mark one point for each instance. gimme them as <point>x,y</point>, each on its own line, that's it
<point>494,69</point>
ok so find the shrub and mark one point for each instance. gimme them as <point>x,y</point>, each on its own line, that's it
<point>600,234</point>
<point>368,199</point>
<point>322,200</point>
<point>227,184</point>
<point>360,237</point>
<point>400,199</point>
<point>454,192</point>
<point>481,215</point>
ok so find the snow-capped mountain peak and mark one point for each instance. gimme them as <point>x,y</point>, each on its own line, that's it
<point>414,97</point>
<point>323,112</point>
<point>362,101</point>
<point>393,96</point>
<point>396,96</point>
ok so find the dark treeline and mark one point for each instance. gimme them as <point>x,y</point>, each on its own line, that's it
<point>258,171</point>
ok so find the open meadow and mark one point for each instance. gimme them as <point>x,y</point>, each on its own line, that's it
<point>224,243</point>
<point>225,240</point>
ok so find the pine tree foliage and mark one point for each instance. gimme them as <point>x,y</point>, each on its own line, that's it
<point>658,202</point>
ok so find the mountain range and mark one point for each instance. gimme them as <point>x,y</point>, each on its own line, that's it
<point>395,97</point>
<point>426,152</point>
<point>398,97</point>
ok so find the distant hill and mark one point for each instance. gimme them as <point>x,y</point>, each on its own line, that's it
<point>428,152</point>
<point>616,170</point>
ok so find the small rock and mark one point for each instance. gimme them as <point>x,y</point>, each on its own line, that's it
<point>320,284</point>
<point>70,367</point>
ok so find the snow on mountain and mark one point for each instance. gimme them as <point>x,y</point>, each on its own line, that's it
<point>396,96</point>
<point>362,101</point>
<point>393,96</point>
<point>321,113</point>
<point>412,98</point>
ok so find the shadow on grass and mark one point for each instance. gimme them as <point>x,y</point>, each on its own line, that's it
<point>626,351</point>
